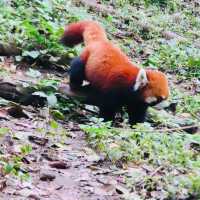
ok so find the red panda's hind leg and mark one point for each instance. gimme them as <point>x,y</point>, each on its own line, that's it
<point>77,73</point>
<point>77,69</point>
<point>111,103</point>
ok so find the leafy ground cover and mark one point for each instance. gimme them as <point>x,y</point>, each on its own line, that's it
<point>60,149</point>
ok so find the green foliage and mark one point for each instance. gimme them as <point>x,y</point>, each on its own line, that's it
<point>190,104</point>
<point>54,124</point>
<point>57,114</point>
<point>145,145</point>
<point>142,144</point>
<point>36,26</point>
<point>184,59</point>
<point>45,88</point>
<point>3,131</point>
<point>13,164</point>
<point>56,132</point>
<point>162,3</point>
<point>26,149</point>
<point>186,103</point>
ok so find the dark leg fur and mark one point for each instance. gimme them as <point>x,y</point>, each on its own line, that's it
<point>107,102</point>
<point>107,114</point>
<point>110,103</point>
<point>77,73</point>
<point>135,106</point>
<point>93,96</point>
<point>137,113</point>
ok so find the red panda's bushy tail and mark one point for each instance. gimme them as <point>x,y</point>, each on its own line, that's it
<point>87,31</point>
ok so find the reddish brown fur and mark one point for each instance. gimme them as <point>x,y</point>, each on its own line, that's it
<point>87,31</point>
<point>107,67</point>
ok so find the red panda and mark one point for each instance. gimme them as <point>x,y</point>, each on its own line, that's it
<point>109,71</point>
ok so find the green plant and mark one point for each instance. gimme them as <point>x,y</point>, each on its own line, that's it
<point>13,165</point>
<point>143,144</point>
<point>185,60</point>
<point>140,144</point>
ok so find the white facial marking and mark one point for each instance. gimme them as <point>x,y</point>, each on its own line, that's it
<point>141,80</point>
<point>150,99</point>
<point>163,97</point>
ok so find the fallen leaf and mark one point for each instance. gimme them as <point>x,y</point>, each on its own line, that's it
<point>3,114</point>
<point>17,112</point>
<point>2,184</point>
<point>33,197</point>
<point>60,165</point>
<point>38,140</point>
<point>47,177</point>
<point>92,156</point>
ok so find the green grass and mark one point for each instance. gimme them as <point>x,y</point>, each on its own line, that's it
<point>12,164</point>
<point>144,145</point>
<point>182,58</point>
<point>36,26</point>
<point>186,103</point>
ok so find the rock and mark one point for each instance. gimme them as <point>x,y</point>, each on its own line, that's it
<point>47,177</point>
<point>60,165</point>
<point>38,140</point>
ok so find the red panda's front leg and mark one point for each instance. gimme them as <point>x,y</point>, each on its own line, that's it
<point>107,114</point>
<point>137,112</point>
<point>77,73</point>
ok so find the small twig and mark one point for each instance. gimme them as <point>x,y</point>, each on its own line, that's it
<point>156,170</point>
<point>151,175</point>
<point>178,128</point>
<point>171,129</point>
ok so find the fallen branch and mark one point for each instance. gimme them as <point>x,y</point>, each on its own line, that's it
<point>9,50</point>
<point>191,127</point>
<point>18,94</point>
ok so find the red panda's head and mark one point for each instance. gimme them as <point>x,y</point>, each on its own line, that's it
<point>153,85</point>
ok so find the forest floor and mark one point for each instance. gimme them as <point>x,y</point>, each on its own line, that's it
<point>54,147</point>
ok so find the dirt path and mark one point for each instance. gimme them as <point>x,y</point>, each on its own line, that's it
<point>84,177</point>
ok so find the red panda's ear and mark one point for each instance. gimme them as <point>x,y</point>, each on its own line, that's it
<point>141,80</point>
